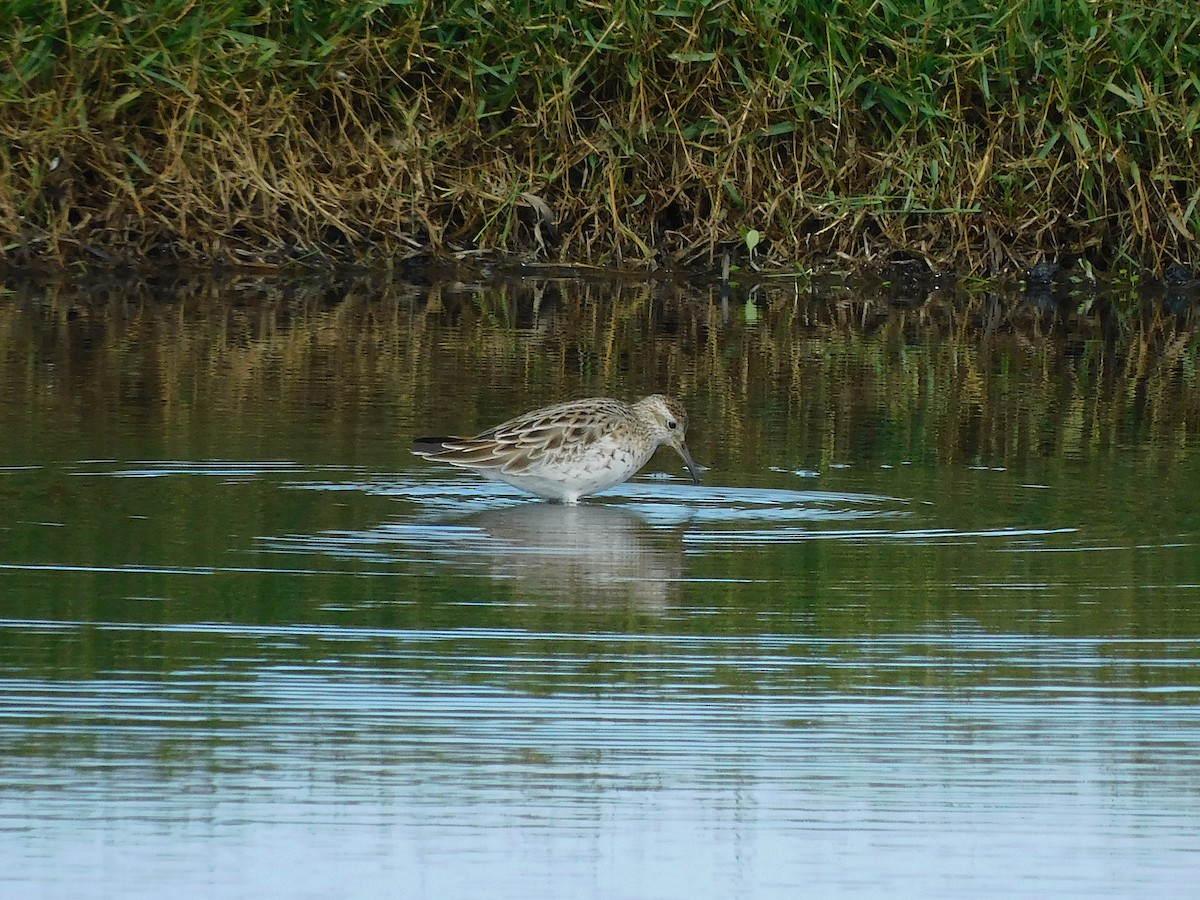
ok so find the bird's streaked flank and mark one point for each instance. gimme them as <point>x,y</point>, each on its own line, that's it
<point>570,450</point>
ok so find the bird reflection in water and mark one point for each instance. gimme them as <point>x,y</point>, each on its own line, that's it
<point>583,554</point>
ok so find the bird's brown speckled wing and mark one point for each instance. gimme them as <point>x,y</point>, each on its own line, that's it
<point>525,442</point>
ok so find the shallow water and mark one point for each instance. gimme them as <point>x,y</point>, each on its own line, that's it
<point>930,627</point>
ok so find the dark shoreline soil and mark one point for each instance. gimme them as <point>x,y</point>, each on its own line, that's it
<point>1046,294</point>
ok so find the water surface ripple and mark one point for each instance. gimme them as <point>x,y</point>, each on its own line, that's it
<point>929,628</point>
<point>457,742</point>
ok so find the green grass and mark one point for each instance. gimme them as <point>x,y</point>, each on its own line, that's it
<point>975,134</point>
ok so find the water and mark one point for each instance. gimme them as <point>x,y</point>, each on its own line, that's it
<point>930,626</point>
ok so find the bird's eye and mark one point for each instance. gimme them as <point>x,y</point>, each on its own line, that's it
<point>672,424</point>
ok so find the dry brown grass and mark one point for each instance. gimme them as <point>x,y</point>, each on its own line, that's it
<point>976,135</point>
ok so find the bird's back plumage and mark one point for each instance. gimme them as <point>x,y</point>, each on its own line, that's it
<point>568,450</point>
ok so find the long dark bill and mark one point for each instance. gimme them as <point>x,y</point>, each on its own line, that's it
<point>693,469</point>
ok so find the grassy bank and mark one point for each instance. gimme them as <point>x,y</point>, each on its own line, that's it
<point>977,134</point>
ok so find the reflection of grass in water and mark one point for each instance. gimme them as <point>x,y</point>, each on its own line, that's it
<point>210,371</point>
<point>816,379</point>
<point>251,373</point>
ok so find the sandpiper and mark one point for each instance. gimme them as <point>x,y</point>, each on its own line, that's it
<point>569,450</point>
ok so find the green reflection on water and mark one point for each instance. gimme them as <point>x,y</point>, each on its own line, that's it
<point>976,413</point>
<point>940,585</point>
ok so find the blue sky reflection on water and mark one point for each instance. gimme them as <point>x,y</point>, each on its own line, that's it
<point>451,773</point>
